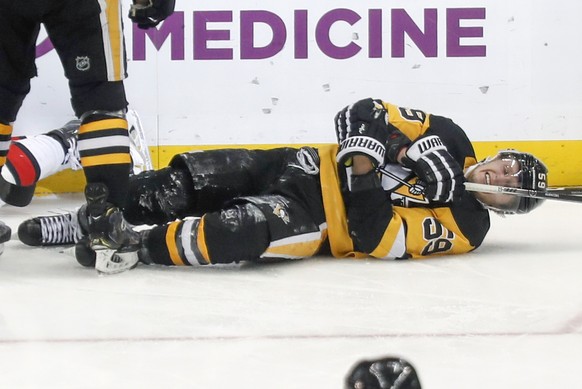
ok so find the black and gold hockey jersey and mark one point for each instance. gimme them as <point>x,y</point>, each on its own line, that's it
<point>286,202</point>
<point>411,225</point>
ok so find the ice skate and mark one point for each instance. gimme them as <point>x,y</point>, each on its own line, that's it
<point>61,229</point>
<point>67,134</point>
<point>110,236</point>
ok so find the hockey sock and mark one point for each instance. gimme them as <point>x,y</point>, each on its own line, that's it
<point>5,134</point>
<point>104,151</point>
<point>175,244</point>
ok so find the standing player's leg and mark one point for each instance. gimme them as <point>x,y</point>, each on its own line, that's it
<point>95,65</point>
<point>18,33</point>
<point>67,228</point>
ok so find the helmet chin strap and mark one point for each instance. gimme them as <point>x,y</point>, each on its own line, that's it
<point>484,188</point>
<point>469,170</point>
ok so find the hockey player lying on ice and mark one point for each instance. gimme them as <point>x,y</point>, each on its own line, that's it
<point>232,205</point>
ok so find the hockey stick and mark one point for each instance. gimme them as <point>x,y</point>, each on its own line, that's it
<point>572,190</point>
<point>549,194</point>
<point>415,189</point>
<point>573,195</point>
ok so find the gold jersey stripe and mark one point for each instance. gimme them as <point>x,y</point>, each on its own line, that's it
<point>2,161</point>
<point>101,125</point>
<point>295,250</point>
<point>172,245</point>
<point>411,128</point>
<point>116,37</point>
<point>335,213</point>
<point>106,159</point>
<point>112,39</point>
<point>387,242</point>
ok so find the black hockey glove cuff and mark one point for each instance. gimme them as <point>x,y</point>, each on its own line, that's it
<point>369,211</point>
<point>361,128</point>
<point>151,14</point>
<point>363,182</point>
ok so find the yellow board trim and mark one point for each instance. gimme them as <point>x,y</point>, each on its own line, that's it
<point>563,158</point>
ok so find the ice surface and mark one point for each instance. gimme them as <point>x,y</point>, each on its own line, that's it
<point>506,316</point>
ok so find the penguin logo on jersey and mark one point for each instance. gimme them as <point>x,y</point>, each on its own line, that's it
<point>405,188</point>
<point>83,63</point>
<point>416,189</point>
<point>281,213</point>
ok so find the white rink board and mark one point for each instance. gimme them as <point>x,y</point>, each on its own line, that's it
<point>516,78</point>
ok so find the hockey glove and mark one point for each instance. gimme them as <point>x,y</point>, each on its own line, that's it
<point>430,160</point>
<point>362,128</point>
<point>151,14</point>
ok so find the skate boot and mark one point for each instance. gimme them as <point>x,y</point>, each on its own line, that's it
<point>113,239</point>
<point>67,135</point>
<point>5,233</point>
<point>87,257</point>
<point>55,230</point>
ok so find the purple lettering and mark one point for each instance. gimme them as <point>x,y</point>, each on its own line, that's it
<point>426,41</point>
<point>375,33</point>
<point>172,27</point>
<point>248,19</point>
<point>202,35</point>
<point>44,47</point>
<point>322,33</point>
<point>402,29</point>
<point>455,32</point>
<point>301,44</point>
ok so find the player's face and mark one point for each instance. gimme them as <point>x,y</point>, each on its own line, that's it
<point>500,171</point>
